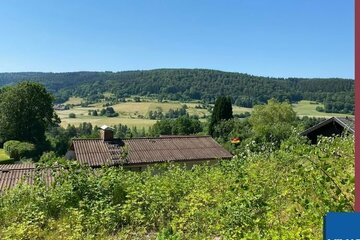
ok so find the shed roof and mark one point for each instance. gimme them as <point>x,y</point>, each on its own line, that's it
<point>13,174</point>
<point>347,123</point>
<point>139,151</point>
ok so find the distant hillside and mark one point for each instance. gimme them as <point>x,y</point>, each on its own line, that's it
<point>193,84</point>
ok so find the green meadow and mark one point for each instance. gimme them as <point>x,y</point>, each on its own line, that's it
<point>135,114</point>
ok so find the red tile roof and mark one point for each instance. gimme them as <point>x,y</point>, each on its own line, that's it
<point>97,152</point>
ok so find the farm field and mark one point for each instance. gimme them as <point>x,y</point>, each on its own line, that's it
<point>134,114</point>
<point>305,108</point>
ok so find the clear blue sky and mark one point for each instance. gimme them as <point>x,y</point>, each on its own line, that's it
<point>280,38</point>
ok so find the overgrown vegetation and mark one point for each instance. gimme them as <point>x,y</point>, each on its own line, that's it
<point>18,150</point>
<point>280,194</point>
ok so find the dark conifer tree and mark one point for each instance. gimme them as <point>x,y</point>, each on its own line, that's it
<point>222,111</point>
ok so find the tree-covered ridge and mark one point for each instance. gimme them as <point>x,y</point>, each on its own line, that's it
<point>194,84</point>
<point>280,194</point>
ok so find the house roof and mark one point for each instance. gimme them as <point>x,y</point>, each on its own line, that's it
<point>17,166</point>
<point>13,174</point>
<point>97,152</point>
<point>346,122</point>
<point>139,151</point>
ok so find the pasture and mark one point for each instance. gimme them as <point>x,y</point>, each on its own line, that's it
<point>74,100</point>
<point>134,114</point>
<point>308,108</point>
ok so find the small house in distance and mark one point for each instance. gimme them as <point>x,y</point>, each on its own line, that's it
<point>330,127</point>
<point>137,153</point>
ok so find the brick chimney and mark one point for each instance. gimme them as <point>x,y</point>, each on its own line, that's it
<point>106,133</point>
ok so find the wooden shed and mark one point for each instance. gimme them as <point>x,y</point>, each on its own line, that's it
<point>330,127</point>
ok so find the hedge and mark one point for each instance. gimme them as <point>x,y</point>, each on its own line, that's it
<point>18,150</point>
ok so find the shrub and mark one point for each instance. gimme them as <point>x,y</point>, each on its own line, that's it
<point>320,109</point>
<point>18,150</point>
<point>279,195</point>
<point>72,115</point>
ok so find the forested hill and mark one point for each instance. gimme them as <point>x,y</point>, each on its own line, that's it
<point>188,84</point>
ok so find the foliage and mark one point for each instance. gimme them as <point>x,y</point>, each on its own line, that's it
<point>272,122</point>
<point>25,112</point>
<point>222,111</point>
<point>18,150</point>
<point>193,84</point>
<point>59,138</point>
<point>233,128</point>
<point>108,112</point>
<point>282,194</point>
<point>183,125</point>
<point>170,114</point>
<point>72,115</point>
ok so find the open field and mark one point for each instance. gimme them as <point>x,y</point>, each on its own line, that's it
<point>74,100</point>
<point>129,113</point>
<point>305,108</point>
<point>135,113</point>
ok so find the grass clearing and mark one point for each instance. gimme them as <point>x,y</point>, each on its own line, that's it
<point>4,157</point>
<point>238,110</point>
<point>306,108</point>
<point>74,100</point>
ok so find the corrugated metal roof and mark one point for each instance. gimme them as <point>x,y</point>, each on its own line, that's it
<point>97,152</point>
<point>346,122</point>
<point>13,175</point>
<point>17,166</point>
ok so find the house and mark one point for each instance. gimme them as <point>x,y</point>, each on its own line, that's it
<point>137,153</point>
<point>330,127</point>
<point>60,107</point>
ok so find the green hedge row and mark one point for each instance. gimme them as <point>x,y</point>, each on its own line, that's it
<point>7,161</point>
<point>18,150</point>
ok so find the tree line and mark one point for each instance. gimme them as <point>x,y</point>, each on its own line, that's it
<point>194,84</point>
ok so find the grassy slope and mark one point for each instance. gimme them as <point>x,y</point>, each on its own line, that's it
<point>305,108</point>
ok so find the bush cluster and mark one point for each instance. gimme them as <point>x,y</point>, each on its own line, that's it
<point>18,150</point>
<point>282,194</point>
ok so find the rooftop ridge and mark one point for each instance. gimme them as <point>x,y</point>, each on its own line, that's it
<point>166,137</point>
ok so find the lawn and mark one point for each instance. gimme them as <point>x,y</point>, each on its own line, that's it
<point>4,157</point>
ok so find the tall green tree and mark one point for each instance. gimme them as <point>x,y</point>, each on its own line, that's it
<point>272,122</point>
<point>26,111</point>
<point>222,111</point>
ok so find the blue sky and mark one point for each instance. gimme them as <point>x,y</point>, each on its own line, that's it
<point>280,38</point>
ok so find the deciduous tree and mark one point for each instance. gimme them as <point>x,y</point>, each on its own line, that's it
<point>26,111</point>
